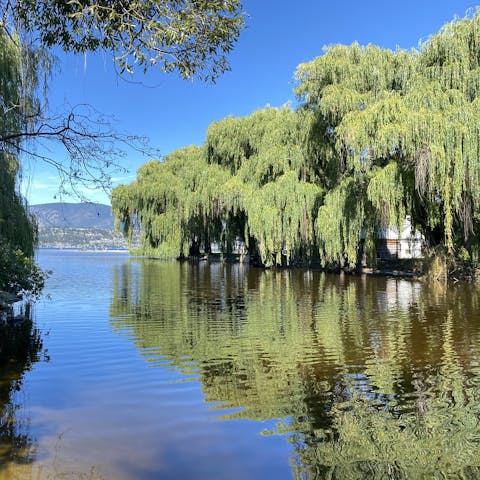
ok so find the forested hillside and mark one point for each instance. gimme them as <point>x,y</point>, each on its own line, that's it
<point>378,135</point>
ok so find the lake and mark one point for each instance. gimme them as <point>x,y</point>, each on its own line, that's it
<point>169,370</point>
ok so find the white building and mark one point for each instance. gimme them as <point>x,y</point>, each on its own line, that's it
<point>401,243</point>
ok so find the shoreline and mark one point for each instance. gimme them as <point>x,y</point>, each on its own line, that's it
<point>395,268</point>
<point>82,250</point>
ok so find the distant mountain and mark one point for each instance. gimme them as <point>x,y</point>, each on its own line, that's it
<point>87,226</point>
<point>81,238</point>
<point>73,215</point>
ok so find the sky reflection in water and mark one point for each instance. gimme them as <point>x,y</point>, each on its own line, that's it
<point>170,370</point>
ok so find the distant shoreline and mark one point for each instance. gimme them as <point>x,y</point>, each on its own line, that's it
<point>85,250</point>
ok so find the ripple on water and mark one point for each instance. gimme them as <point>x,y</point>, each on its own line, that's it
<point>169,369</point>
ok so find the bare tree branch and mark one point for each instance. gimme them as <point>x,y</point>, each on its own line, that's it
<point>93,148</point>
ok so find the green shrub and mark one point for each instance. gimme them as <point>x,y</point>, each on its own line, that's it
<point>18,273</point>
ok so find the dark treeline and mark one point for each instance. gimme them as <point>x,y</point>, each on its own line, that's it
<point>379,135</point>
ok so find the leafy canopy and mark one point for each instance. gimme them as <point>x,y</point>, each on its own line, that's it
<point>188,36</point>
<point>380,135</point>
<point>402,129</point>
<point>18,273</point>
<point>248,182</point>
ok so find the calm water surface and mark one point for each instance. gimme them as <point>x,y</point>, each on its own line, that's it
<point>163,370</point>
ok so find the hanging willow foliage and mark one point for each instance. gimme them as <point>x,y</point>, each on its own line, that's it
<point>339,223</point>
<point>18,233</point>
<point>17,84</point>
<point>175,202</point>
<point>260,147</point>
<point>406,133</point>
<point>380,135</point>
<point>281,219</point>
<point>249,182</point>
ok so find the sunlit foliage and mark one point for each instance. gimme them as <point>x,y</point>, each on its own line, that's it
<point>189,37</point>
<point>404,128</point>
<point>249,182</point>
<point>379,135</point>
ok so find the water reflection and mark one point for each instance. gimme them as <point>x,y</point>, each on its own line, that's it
<point>368,377</point>
<point>20,347</point>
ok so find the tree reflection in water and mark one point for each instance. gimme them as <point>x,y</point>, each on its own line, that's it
<point>369,377</point>
<point>21,346</point>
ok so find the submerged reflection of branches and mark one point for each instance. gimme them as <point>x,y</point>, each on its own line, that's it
<point>16,444</point>
<point>370,378</point>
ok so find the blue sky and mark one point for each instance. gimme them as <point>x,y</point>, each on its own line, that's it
<point>279,36</point>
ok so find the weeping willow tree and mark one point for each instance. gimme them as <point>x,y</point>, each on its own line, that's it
<point>397,133</point>
<point>249,182</point>
<point>175,202</point>
<point>18,83</point>
<point>380,136</point>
